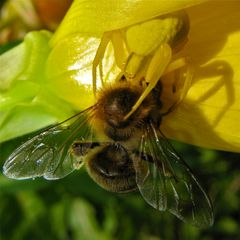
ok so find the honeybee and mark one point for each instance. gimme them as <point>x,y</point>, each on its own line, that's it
<point>121,154</point>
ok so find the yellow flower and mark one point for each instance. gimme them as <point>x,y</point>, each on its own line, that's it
<point>209,115</point>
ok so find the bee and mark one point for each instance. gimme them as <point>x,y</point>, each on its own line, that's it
<point>120,154</point>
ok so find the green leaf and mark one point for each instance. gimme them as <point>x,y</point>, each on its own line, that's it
<point>23,119</point>
<point>83,222</point>
<point>28,117</point>
<point>25,103</point>
<point>25,61</point>
<point>22,91</point>
<point>8,46</point>
<point>12,64</point>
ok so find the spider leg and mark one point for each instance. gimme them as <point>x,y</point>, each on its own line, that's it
<point>182,83</point>
<point>120,54</point>
<point>155,70</point>
<point>106,38</point>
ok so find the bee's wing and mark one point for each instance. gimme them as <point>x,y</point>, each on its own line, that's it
<point>167,183</point>
<point>48,154</point>
<point>149,179</point>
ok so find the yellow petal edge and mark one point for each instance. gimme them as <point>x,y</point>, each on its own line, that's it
<point>92,18</point>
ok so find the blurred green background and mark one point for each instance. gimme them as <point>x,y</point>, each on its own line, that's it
<point>76,208</point>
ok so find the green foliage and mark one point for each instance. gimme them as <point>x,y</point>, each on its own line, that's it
<point>8,46</point>
<point>23,88</point>
<point>75,208</point>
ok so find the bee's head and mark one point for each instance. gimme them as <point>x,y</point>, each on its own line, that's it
<point>118,103</point>
<point>115,103</point>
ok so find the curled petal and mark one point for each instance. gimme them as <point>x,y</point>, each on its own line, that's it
<point>94,17</point>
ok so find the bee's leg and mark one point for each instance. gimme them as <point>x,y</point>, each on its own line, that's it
<point>80,148</point>
<point>155,70</point>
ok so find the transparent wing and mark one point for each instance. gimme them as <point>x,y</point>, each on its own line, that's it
<point>167,183</point>
<point>150,181</point>
<point>48,154</point>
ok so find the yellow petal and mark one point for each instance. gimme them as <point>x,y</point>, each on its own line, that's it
<point>70,78</point>
<point>69,69</point>
<point>95,17</point>
<point>210,114</point>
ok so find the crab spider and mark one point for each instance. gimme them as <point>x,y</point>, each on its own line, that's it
<point>144,53</point>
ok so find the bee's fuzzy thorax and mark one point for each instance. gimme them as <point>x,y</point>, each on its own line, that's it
<point>114,103</point>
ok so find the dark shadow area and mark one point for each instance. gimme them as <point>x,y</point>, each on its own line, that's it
<point>223,71</point>
<point>179,127</point>
<point>211,24</point>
